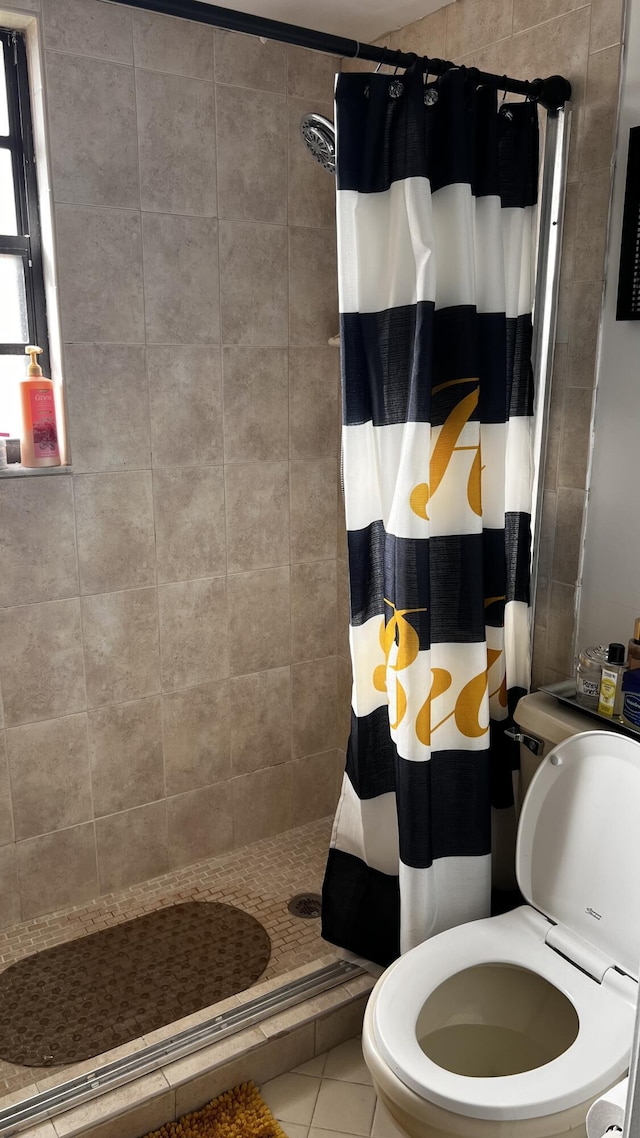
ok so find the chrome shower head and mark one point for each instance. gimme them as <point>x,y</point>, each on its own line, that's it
<point>319,136</point>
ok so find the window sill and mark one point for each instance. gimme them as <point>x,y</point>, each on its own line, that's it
<point>15,470</point>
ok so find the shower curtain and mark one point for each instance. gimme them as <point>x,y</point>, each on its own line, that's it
<point>436,198</point>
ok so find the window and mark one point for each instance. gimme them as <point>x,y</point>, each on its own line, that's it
<point>22,296</point>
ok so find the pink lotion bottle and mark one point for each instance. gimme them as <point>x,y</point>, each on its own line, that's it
<point>39,442</point>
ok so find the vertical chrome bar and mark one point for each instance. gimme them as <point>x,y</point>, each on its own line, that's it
<point>545,311</point>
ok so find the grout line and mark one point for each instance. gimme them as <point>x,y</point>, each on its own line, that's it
<point>86,696</point>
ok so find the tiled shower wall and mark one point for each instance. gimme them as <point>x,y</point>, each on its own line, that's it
<point>526,39</point>
<point>164,608</point>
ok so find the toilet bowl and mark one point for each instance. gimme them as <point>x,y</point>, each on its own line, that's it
<point>513,1025</point>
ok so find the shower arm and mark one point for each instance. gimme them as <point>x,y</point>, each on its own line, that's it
<point>552,93</point>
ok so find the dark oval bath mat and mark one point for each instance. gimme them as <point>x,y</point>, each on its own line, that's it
<point>84,997</point>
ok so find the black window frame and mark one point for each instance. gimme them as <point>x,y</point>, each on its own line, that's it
<point>28,243</point>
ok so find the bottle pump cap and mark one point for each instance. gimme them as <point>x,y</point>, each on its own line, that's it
<point>34,368</point>
<point>615,654</point>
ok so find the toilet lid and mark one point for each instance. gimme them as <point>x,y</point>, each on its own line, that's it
<point>578,848</point>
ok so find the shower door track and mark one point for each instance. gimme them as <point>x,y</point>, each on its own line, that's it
<point>39,1108</point>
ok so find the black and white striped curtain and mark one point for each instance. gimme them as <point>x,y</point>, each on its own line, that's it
<point>437,188</point>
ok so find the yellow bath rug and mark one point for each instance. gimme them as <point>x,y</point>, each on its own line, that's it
<point>238,1113</point>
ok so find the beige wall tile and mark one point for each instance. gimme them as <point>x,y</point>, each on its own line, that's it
<point>182,300</point>
<point>313,702</point>
<point>565,295</point>
<point>559,655</point>
<point>82,27</point>
<point>193,632</point>
<point>474,23</point>
<point>248,62</point>
<point>527,14</point>
<point>257,504</point>
<point>37,541</point>
<point>569,230</point>
<point>114,521</point>
<point>557,47</point>
<point>314,390</point>
<point>132,846</point>
<point>314,791</point>
<point>200,824</point>
<point>6,824</point>
<point>310,74</point>
<point>120,635</point>
<point>494,57</point>
<point>41,665</point>
<point>256,404</point>
<point>107,383</point>
<point>252,154</point>
<point>190,522</point>
<point>125,754</point>
<point>575,140</point>
<point>185,398</point>
<point>566,554</point>
<point>312,190</point>
<point>313,297</point>
<point>259,620</point>
<point>585,319</point>
<point>426,36</point>
<point>606,23</point>
<point>49,770</point>
<point>313,610</point>
<point>175,116</point>
<point>581,371</point>
<point>313,509</point>
<point>56,870</point>
<point>100,275</point>
<point>600,109</point>
<point>576,433</point>
<point>10,912</point>
<point>197,729</point>
<point>92,131</point>
<point>591,225</point>
<point>254,281</point>
<point>260,706</point>
<point>261,804</point>
<point>179,47</point>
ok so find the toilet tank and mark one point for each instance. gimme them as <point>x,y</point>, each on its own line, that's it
<point>541,716</point>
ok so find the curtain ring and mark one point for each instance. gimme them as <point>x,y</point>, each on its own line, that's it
<point>384,52</point>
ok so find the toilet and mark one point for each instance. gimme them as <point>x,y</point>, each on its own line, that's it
<point>513,1025</point>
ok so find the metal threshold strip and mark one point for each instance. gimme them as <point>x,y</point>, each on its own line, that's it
<point>15,1119</point>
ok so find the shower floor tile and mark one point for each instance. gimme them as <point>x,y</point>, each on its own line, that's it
<point>260,878</point>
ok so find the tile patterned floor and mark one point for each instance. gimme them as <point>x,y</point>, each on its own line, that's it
<point>330,1097</point>
<point>260,879</point>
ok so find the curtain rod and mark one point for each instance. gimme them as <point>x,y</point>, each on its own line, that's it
<point>551,93</point>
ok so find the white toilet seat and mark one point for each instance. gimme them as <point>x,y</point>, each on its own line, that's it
<point>598,1057</point>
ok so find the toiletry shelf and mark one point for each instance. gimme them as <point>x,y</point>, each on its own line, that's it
<point>565,692</point>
